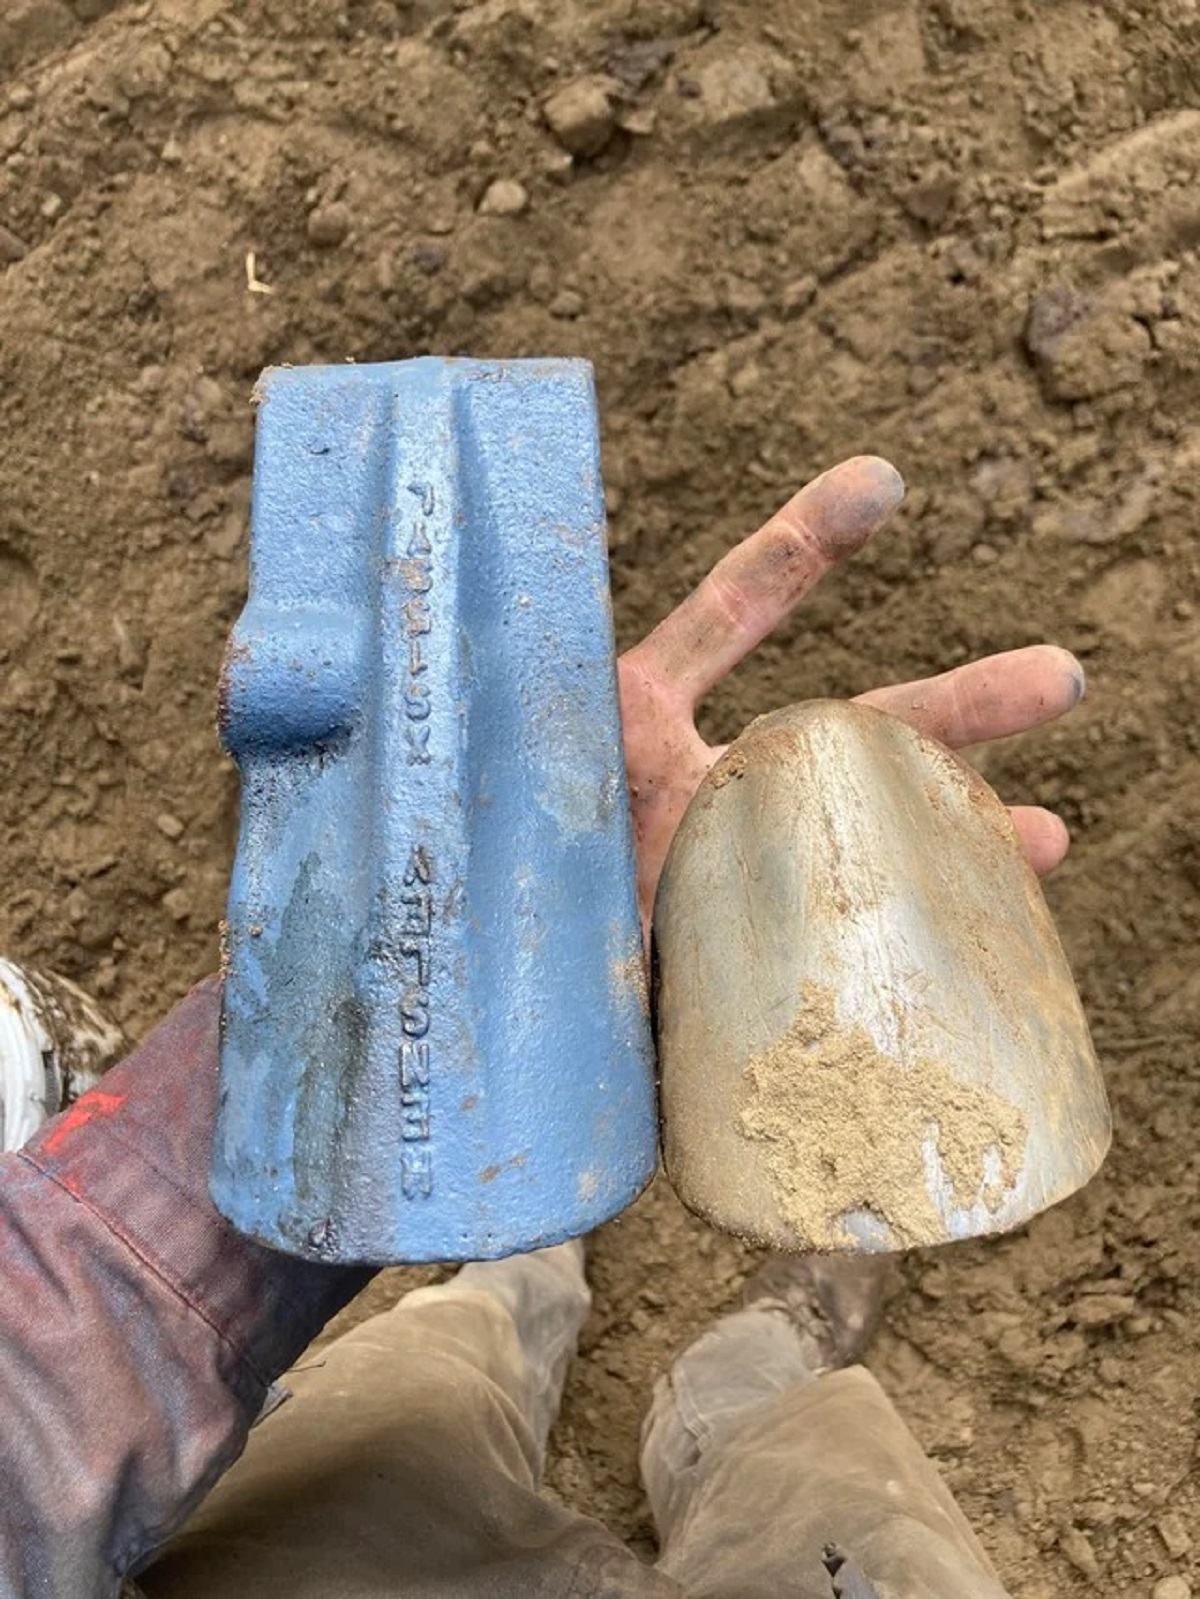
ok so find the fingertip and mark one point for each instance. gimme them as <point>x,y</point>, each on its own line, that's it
<point>1066,671</point>
<point>1074,667</point>
<point>873,482</point>
<point>1056,841</point>
<point>851,501</point>
<point>889,486</point>
<point>1044,837</point>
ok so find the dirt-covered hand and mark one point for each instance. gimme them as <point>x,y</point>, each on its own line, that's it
<point>748,594</point>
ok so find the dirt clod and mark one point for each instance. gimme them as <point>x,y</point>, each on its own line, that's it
<point>328,225</point>
<point>1172,1588</point>
<point>11,248</point>
<point>504,198</point>
<point>581,116</point>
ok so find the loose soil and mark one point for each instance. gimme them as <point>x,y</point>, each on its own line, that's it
<point>795,1105</point>
<point>961,233</point>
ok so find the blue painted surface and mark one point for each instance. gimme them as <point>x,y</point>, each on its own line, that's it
<point>435,1042</point>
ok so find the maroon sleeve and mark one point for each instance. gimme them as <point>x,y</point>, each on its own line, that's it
<point>138,1331</point>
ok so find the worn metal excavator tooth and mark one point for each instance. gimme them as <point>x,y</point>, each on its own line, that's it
<point>869,1038</point>
<point>435,1040</point>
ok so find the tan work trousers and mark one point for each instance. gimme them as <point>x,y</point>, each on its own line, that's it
<point>406,1466</point>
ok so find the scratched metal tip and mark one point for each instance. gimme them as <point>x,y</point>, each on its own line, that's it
<point>869,1038</point>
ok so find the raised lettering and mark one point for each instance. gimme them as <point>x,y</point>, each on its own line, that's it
<point>417,739</point>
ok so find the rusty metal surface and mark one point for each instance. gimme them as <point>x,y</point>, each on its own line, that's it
<point>869,1037</point>
<point>435,1035</point>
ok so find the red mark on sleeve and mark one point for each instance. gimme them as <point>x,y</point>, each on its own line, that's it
<point>85,1110</point>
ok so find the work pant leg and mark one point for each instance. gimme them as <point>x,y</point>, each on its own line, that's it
<point>754,1466</point>
<point>406,1463</point>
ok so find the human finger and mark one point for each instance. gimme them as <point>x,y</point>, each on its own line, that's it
<point>753,588</point>
<point>989,698</point>
<point>1044,837</point>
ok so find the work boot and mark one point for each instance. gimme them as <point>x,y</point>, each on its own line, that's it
<point>802,1316</point>
<point>833,1302</point>
<point>55,1044</point>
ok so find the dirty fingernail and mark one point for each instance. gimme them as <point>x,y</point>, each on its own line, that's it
<point>1073,677</point>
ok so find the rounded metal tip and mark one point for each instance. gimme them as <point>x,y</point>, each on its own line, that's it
<point>869,1037</point>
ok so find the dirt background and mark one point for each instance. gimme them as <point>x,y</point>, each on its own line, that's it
<point>958,232</point>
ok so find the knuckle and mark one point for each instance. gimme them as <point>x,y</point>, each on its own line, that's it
<point>730,600</point>
<point>792,543</point>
